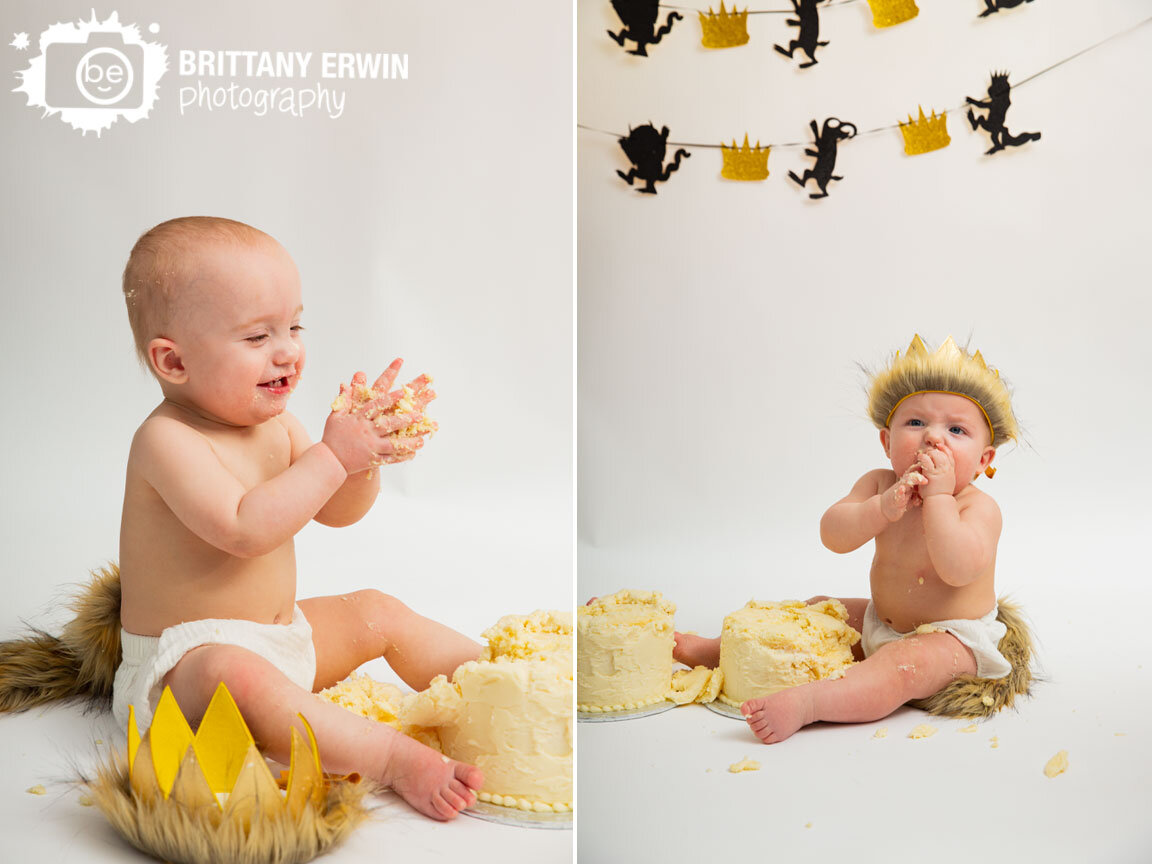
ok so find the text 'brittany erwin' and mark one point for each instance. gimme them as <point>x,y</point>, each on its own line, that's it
<point>292,64</point>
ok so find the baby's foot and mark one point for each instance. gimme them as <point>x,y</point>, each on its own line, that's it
<point>432,783</point>
<point>696,651</point>
<point>774,718</point>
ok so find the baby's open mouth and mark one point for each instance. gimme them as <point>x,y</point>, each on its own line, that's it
<point>275,383</point>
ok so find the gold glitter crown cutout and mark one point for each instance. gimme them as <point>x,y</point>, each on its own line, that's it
<point>724,29</point>
<point>744,163</point>
<point>948,369</point>
<point>885,13</point>
<point>925,134</point>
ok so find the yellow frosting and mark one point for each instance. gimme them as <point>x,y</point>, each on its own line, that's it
<point>766,647</point>
<point>510,713</point>
<point>624,651</point>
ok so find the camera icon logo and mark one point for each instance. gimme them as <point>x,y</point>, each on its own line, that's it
<point>99,73</point>
<point>93,73</point>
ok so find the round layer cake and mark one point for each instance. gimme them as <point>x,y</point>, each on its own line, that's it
<point>510,712</point>
<point>624,651</point>
<point>766,647</point>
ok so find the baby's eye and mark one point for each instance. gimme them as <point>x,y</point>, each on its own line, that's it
<point>957,430</point>
<point>915,422</point>
<point>256,339</point>
<point>297,328</point>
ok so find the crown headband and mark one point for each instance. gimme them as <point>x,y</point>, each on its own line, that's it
<point>948,369</point>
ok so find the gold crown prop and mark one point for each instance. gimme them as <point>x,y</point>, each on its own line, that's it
<point>744,163</point>
<point>885,13</point>
<point>209,796</point>
<point>948,369</point>
<point>926,133</point>
<point>724,29</point>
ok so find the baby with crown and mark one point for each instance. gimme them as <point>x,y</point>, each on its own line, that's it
<point>932,630</point>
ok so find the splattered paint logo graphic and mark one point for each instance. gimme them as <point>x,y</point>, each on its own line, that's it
<point>93,73</point>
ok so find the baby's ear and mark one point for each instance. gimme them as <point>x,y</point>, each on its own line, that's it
<point>164,358</point>
<point>885,438</point>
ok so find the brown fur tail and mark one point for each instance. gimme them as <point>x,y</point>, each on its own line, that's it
<point>80,663</point>
<point>972,697</point>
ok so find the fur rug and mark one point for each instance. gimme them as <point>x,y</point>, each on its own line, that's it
<point>972,697</point>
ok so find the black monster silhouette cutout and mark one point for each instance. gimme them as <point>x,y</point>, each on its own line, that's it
<point>645,148</point>
<point>808,20</point>
<point>997,105</point>
<point>639,18</point>
<point>997,5</point>
<point>827,140</point>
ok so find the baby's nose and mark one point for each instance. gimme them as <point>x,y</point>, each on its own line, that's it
<point>287,351</point>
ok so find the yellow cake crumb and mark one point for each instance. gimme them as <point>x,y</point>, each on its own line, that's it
<point>744,764</point>
<point>1058,764</point>
<point>923,731</point>
<point>36,790</point>
<point>970,728</point>
<point>988,700</point>
<point>700,684</point>
<point>994,741</point>
<point>882,732</point>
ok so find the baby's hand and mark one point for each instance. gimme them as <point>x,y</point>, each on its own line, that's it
<point>897,498</point>
<point>939,470</point>
<point>372,426</point>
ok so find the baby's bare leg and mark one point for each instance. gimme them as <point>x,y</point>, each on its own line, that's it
<point>912,668</point>
<point>692,650</point>
<point>431,783</point>
<point>348,630</point>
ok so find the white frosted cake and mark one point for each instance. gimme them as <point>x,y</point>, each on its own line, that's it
<point>766,647</point>
<point>624,651</point>
<point>510,712</point>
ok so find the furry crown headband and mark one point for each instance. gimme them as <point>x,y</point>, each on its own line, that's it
<point>948,369</point>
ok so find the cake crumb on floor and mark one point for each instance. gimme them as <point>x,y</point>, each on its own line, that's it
<point>882,732</point>
<point>744,764</point>
<point>1058,764</point>
<point>36,790</point>
<point>923,731</point>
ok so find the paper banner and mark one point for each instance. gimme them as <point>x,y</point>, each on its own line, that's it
<point>645,149</point>
<point>639,18</point>
<point>997,106</point>
<point>828,139</point>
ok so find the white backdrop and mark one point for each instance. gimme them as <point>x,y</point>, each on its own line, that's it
<point>721,409</point>
<point>431,220</point>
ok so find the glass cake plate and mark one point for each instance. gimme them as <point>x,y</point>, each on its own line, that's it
<point>519,818</point>
<point>626,714</point>
<point>724,709</point>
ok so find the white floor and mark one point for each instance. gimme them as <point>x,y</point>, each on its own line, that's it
<point>658,788</point>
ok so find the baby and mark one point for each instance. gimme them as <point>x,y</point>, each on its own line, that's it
<point>933,611</point>
<point>221,478</point>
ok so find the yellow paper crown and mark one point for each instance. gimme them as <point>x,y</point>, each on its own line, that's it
<point>218,766</point>
<point>948,369</point>
<point>925,134</point>
<point>744,163</point>
<point>885,13</point>
<point>723,29</point>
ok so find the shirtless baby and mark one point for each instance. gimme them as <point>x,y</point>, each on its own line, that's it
<point>932,613</point>
<point>220,479</point>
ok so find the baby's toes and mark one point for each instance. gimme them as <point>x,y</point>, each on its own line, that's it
<point>443,807</point>
<point>458,788</point>
<point>469,775</point>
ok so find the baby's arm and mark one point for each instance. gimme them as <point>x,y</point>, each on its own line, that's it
<point>866,511</point>
<point>961,541</point>
<point>182,467</point>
